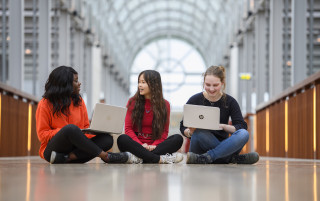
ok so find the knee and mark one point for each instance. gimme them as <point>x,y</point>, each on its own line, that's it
<point>107,142</point>
<point>122,138</point>
<point>122,141</point>
<point>178,138</point>
<point>244,134</point>
<point>72,129</point>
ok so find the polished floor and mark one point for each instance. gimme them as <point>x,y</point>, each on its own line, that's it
<point>31,178</point>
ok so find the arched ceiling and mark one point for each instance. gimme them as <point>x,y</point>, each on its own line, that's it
<point>129,25</point>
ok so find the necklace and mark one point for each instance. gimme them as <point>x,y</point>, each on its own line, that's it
<point>206,96</point>
<point>147,111</point>
<point>211,103</point>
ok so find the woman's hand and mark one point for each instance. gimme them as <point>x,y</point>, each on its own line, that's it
<point>149,147</point>
<point>227,128</point>
<point>222,126</point>
<point>189,131</point>
<point>152,147</point>
<point>146,146</point>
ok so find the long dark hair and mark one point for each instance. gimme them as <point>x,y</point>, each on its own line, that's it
<point>59,90</point>
<point>158,104</point>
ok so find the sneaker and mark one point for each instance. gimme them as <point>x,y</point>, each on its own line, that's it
<point>132,159</point>
<point>193,158</point>
<point>58,158</point>
<point>171,158</point>
<point>249,158</point>
<point>121,157</point>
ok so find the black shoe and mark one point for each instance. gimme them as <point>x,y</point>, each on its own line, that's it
<point>249,158</point>
<point>58,158</point>
<point>193,158</point>
<point>121,157</point>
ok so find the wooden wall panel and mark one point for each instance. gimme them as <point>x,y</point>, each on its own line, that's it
<point>305,125</point>
<point>13,128</point>
<point>246,147</point>
<point>7,133</point>
<point>35,143</point>
<point>292,127</point>
<point>277,130</point>
<point>318,120</point>
<point>22,129</point>
<point>300,128</point>
<point>261,132</point>
<point>300,121</point>
<point>4,120</point>
<point>306,130</point>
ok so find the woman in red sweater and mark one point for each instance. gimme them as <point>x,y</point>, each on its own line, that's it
<point>61,115</point>
<point>147,124</point>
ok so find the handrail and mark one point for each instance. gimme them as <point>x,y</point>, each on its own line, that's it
<point>247,115</point>
<point>291,90</point>
<point>13,91</point>
<point>287,125</point>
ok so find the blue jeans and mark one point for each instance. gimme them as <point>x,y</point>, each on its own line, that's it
<point>203,141</point>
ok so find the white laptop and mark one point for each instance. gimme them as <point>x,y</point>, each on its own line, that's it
<point>199,116</point>
<point>107,119</point>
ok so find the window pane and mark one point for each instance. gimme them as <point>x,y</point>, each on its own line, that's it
<point>179,64</point>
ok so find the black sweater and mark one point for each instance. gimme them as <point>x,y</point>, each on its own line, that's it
<point>229,107</point>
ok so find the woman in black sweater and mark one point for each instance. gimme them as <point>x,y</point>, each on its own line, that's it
<point>215,146</point>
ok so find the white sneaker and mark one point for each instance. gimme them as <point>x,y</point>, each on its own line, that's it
<point>171,158</point>
<point>132,159</point>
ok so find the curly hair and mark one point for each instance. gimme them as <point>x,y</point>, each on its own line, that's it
<point>59,90</point>
<point>158,104</point>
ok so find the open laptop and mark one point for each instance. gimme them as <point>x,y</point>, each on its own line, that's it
<point>106,119</point>
<point>199,116</point>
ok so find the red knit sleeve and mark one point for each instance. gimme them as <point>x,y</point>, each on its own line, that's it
<point>128,123</point>
<point>166,128</point>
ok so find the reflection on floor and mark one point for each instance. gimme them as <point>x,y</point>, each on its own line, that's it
<point>31,178</point>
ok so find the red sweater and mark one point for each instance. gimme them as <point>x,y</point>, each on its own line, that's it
<point>48,125</point>
<point>146,127</point>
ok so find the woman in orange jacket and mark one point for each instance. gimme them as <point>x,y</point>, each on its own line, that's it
<point>61,115</point>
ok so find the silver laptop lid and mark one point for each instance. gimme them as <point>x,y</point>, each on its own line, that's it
<point>199,116</point>
<point>108,118</point>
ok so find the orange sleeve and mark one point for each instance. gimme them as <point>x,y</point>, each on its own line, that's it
<point>43,118</point>
<point>86,122</point>
<point>166,127</point>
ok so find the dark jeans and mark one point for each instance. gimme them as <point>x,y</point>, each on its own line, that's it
<point>71,139</point>
<point>170,145</point>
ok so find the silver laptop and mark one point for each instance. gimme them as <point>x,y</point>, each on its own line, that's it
<point>107,119</point>
<point>199,116</point>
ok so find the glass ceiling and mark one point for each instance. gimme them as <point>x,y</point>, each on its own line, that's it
<point>127,26</point>
<point>179,64</point>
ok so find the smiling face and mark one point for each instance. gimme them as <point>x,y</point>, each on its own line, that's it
<point>76,84</point>
<point>143,86</point>
<point>212,85</point>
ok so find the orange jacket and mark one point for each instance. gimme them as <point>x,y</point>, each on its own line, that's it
<point>48,125</point>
